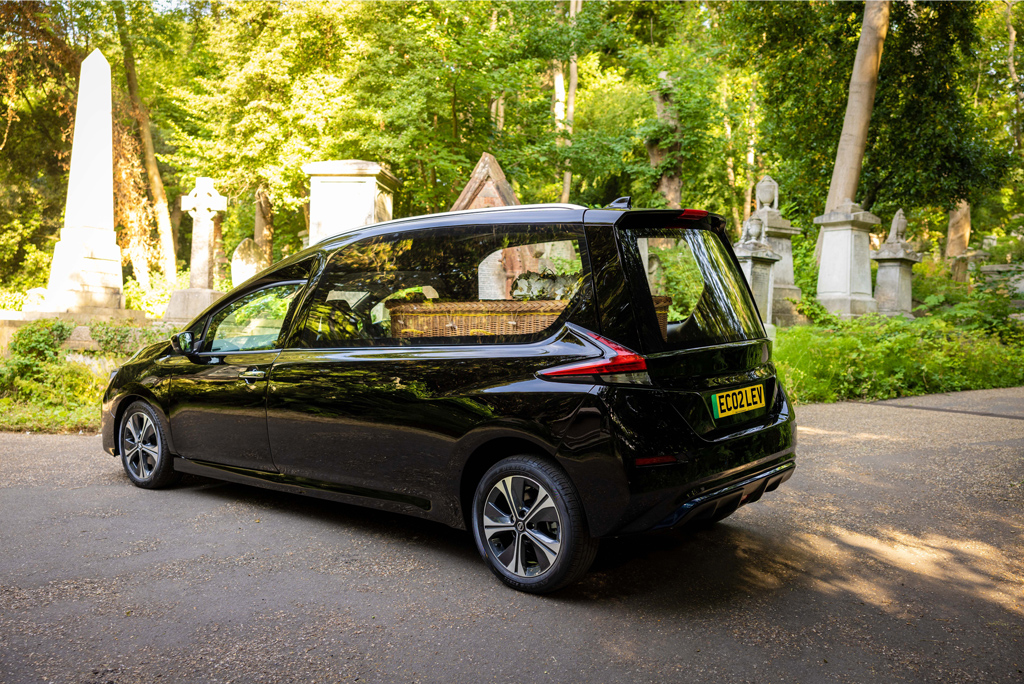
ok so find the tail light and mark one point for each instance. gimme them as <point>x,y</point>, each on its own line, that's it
<point>693,214</point>
<point>624,365</point>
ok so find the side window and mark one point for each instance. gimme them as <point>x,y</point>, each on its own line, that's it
<point>253,321</point>
<point>467,284</point>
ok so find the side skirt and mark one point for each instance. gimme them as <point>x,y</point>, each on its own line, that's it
<point>360,496</point>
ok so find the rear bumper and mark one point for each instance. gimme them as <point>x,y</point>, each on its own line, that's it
<point>724,500</point>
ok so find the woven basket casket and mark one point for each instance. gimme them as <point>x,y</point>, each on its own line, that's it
<point>497,317</point>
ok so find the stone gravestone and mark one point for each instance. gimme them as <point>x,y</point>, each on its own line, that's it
<point>85,274</point>
<point>347,194</point>
<point>246,261</point>
<point>758,261</point>
<point>896,260</point>
<point>844,269</point>
<point>779,234</point>
<point>203,203</point>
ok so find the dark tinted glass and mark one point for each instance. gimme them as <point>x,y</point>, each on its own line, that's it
<point>699,294</point>
<point>457,285</point>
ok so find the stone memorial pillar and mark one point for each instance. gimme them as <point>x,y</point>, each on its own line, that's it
<point>202,204</point>
<point>347,194</point>
<point>85,274</point>
<point>780,234</point>
<point>246,261</point>
<point>758,261</point>
<point>844,271</point>
<point>895,260</point>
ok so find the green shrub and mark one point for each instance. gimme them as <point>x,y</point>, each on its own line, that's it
<point>875,357</point>
<point>40,339</point>
<point>121,339</point>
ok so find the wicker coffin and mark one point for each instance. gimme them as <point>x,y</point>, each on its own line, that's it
<point>498,317</point>
<point>471,319</point>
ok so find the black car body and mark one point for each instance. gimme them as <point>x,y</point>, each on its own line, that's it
<point>656,417</point>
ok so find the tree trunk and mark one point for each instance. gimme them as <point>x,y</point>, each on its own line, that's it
<point>957,237</point>
<point>264,231</point>
<point>748,192</point>
<point>670,183</point>
<point>730,168</point>
<point>1017,92</point>
<point>860,102</point>
<point>156,185</point>
<point>570,98</point>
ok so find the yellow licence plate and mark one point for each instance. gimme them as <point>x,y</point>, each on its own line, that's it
<point>737,401</point>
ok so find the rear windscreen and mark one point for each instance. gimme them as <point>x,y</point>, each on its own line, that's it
<point>698,293</point>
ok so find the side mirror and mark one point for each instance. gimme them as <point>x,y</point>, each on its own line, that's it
<point>182,342</point>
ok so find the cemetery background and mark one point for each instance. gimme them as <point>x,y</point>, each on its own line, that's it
<point>580,102</point>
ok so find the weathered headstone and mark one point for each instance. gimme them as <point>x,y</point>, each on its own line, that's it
<point>757,261</point>
<point>347,194</point>
<point>779,234</point>
<point>85,274</point>
<point>202,204</point>
<point>246,261</point>
<point>80,340</point>
<point>844,269</point>
<point>896,261</point>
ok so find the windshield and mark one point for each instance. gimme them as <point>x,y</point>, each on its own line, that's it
<point>700,297</point>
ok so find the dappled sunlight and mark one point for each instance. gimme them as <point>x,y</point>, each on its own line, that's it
<point>873,566</point>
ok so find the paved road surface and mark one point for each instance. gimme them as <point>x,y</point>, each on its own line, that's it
<point>896,553</point>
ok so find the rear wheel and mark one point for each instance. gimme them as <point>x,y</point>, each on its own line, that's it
<point>529,525</point>
<point>143,445</point>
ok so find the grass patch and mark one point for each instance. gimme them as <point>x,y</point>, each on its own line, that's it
<point>25,416</point>
<point>875,357</point>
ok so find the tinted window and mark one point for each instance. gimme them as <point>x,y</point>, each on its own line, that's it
<point>699,294</point>
<point>448,286</point>
<point>253,321</point>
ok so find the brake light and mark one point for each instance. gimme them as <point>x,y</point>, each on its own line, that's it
<point>693,214</point>
<point>623,360</point>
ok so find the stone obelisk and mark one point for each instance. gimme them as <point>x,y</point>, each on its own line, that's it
<point>85,275</point>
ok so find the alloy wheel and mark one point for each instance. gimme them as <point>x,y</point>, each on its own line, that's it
<point>521,526</point>
<point>141,445</point>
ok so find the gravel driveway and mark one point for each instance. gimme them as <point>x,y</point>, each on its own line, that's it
<point>895,553</point>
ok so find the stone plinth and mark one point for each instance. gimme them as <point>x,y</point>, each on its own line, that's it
<point>347,194</point>
<point>80,340</point>
<point>844,272</point>
<point>758,261</point>
<point>892,284</point>
<point>85,274</point>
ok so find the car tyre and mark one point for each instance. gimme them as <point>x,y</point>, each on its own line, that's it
<point>530,527</point>
<point>143,444</point>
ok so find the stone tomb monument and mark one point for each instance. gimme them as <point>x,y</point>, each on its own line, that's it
<point>844,270</point>
<point>758,261</point>
<point>85,274</point>
<point>203,204</point>
<point>779,233</point>
<point>347,194</point>
<point>896,260</point>
<point>487,187</point>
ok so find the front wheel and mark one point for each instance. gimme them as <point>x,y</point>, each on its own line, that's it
<point>144,453</point>
<point>529,525</point>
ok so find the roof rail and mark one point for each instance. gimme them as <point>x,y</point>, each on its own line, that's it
<point>463,212</point>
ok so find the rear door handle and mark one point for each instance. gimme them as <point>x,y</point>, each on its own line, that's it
<point>254,374</point>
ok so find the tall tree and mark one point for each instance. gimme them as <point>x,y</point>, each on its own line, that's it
<point>570,97</point>
<point>156,184</point>
<point>860,102</point>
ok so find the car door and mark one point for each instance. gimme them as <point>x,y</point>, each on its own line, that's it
<point>373,395</point>
<point>218,395</point>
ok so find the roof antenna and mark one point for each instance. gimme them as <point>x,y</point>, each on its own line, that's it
<point>621,203</point>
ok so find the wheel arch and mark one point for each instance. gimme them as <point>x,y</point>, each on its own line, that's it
<point>127,400</point>
<point>489,452</point>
